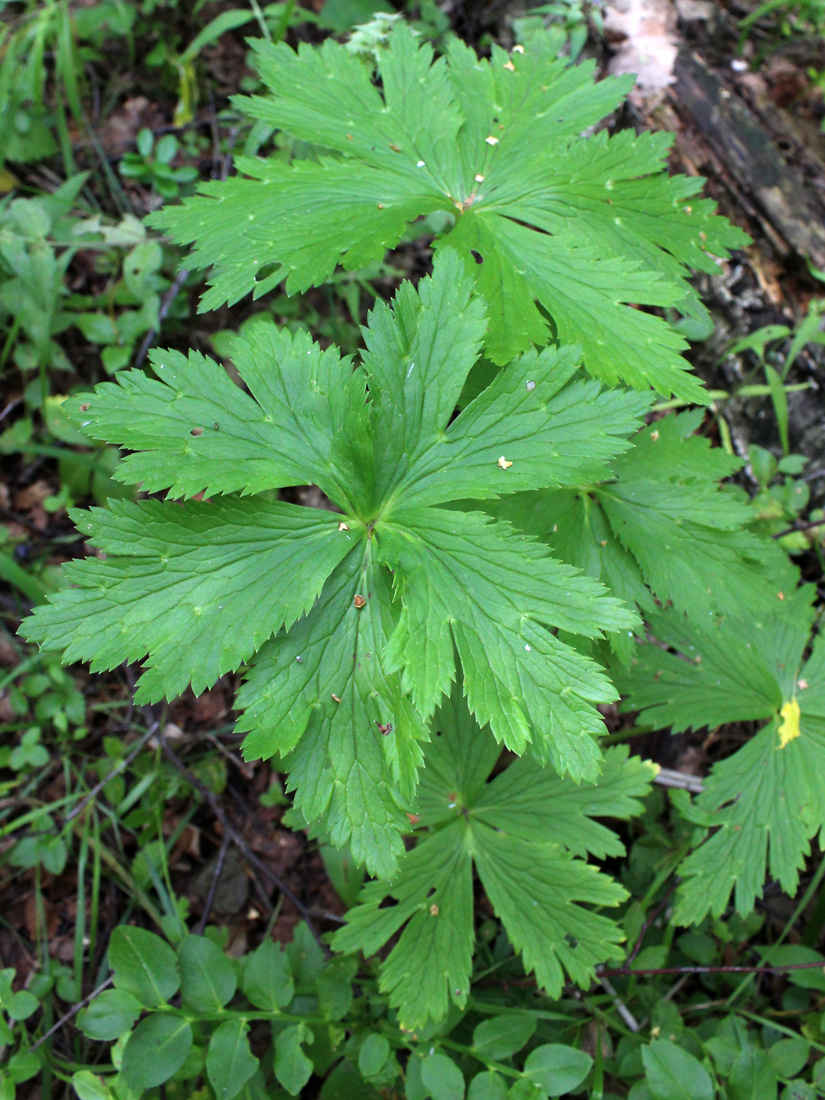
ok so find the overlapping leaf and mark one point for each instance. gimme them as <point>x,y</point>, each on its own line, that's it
<point>765,802</point>
<point>194,431</point>
<point>469,580</point>
<point>583,227</point>
<point>663,527</point>
<point>199,587</point>
<point>344,674</point>
<point>522,831</point>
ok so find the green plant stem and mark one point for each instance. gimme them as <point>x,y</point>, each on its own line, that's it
<point>470,1052</point>
<point>120,872</point>
<point>284,21</point>
<point>259,16</point>
<point>766,1021</point>
<point>242,1014</point>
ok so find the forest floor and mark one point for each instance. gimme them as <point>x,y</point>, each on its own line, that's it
<point>183,828</point>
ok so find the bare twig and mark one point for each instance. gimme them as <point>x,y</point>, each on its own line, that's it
<point>168,298</point>
<point>213,885</point>
<point>15,517</point>
<point>799,527</point>
<point>681,781</point>
<point>621,1007</point>
<point>247,853</point>
<point>127,760</point>
<point>72,1012</point>
<point>10,407</point>
<point>230,145</point>
<point>644,929</point>
<point>629,972</point>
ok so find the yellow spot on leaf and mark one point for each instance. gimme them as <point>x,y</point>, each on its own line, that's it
<point>789,729</point>
<point>491,140</point>
<point>343,526</point>
<point>504,464</point>
<point>509,65</point>
<point>433,910</point>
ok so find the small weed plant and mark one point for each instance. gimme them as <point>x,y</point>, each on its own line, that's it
<point>511,540</point>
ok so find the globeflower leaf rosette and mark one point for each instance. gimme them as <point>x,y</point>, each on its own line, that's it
<point>349,624</point>
<point>563,231</point>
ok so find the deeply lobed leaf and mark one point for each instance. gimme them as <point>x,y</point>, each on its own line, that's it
<point>345,668</point>
<point>661,527</point>
<point>582,228</point>
<point>766,801</point>
<point>541,893</point>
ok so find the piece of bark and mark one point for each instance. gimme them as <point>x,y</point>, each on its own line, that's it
<point>753,159</point>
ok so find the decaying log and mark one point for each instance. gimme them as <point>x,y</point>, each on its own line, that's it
<point>752,157</point>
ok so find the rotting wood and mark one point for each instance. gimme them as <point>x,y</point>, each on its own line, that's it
<point>753,158</point>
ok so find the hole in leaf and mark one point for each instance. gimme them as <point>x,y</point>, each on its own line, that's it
<point>266,271</point>
<point>479,259</point>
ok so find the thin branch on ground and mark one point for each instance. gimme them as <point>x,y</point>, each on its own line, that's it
<point>799,527</point>
<point>652,972</point>
<point>165,306</point>
<point>119,767</point>
<point>72,1012</point>
<point>646,926</point>
<point>619,1004</point>
<point>213,885</point>
<point>247,853</point>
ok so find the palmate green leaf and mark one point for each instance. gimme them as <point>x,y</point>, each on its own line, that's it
<point>520,831</point>
<point>319,697</point>
<point>195,431</point>
<point>583,227</point>
<point>466,579</point>
<point>199,587</point>
<point>766,801</point>
<point>321,606</point>
<point>549,427</point>
<point>663,527</point>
